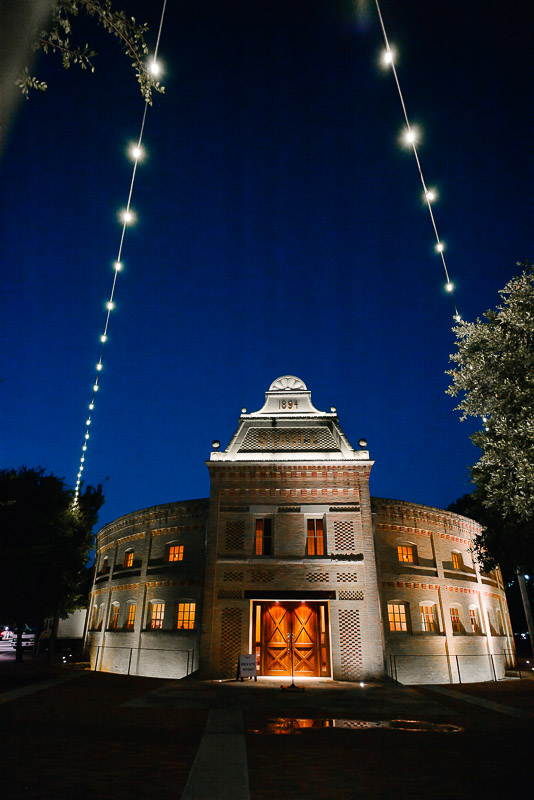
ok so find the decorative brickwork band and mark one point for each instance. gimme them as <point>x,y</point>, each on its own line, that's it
<point>317,577</point>
<point>350,594</point>
<point>229,594</point>
<point>232,576</point>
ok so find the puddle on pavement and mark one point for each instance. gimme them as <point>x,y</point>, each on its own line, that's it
<point>288,725</point>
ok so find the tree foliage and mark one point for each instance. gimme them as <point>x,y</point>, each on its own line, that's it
<point>45,544</point>
<point>57,39</point>
<point>494,378</point>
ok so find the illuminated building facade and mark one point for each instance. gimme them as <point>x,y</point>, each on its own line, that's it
<point>292,560</point>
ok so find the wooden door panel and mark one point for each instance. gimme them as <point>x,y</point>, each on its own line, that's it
<point>278,621</point>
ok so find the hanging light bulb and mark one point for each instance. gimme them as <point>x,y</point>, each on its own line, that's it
<point>99,366</point>
<point>410,136</point>
<point>95,387</point>
<point>117,266</point>
<point>91,406</point>
<point>103,338</point>
<point>154,68</point>
<point>388,57</point>
<point>449,286</point>
<point>431,195</point>
<point>110,305</point>
<point>440,247</point>
<point>127,216</point>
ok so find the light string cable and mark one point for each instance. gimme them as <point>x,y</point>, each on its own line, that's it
<point>410,137</point>
<point>127,217</point>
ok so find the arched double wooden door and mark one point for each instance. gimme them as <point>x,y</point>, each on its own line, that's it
<point>292,631</point>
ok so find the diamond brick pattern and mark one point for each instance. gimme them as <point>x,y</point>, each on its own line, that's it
<point>317,577</point>
<point>350,594</point>
<point>235,534</point>
<point>230,594</point>
<point>347,577</point>
<point>261,576</point>
<point>232,576</point>
<point>261,439</point>
<point>230,641</point>
<point>350,644</point>
<point>343,536</point>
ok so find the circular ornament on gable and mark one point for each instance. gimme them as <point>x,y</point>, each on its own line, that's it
<point>287,383</point>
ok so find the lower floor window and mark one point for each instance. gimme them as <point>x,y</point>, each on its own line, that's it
<point>156,619</point>
<point>185,616</point>
<point>397,616</point>
<point>130,620</point>
<point>455,620</point>
<point>114,616</point>
<point>473,618</point>
<point>428,618</point>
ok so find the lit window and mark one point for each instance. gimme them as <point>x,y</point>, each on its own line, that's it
<point>405,553</point>
<point>455,620</point>
<point>315,537</point>
<point>457,561</point>
<point>185,618</point>
<point>428,619</point>
<point>264,537</point>
<point>105,565</point>
<point>128,559</point>
<point>398,619</point>
<point>474,620</point>
<point>176,552</point>
<point>130,619</point>
<point>156,619</point>
<point>114,617</point>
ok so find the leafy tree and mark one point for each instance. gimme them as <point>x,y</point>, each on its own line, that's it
<point>56,38</point>
<point>494,378</point>
<point>45,544</point>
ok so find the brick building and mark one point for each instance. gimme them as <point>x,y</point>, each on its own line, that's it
<point>292,560</point>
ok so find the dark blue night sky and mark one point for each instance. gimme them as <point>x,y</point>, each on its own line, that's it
<point>281,230</point>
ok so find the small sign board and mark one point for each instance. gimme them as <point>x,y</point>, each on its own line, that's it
<point>246,667</point>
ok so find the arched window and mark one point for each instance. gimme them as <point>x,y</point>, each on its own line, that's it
<point>474,619</point>
<point>114,616</point>
<point>398,616</point>
<point>157,614</point>
<point>128,559</point>
<point>130,617</point>
<point>457,560</point>
<point>456,620</point>
<point>429,617</point>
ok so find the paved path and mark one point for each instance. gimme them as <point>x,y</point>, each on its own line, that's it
<point>220,770</point>
<point>15,694</point>
<point>479,701</point>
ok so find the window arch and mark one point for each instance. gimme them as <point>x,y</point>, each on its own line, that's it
<point>474,619</point>
<point>457,559</point>
<point>128,559</point>
<point>456,619</point>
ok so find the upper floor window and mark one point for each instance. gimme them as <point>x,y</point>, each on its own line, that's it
<point>457,560</point>
<point>455,620</point>
<point>185,616</point>
<point>104,567</point>
<point>429,618</point>
<point>406,553</point>
<point>315,537</point>
<point>128,559</point>
<point>398,616</point>
<point>176,552</point>
<point>130,619</point>
<point>264,537</point>
<point>156,615</point>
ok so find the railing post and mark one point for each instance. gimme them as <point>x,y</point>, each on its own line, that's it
<point>130,660</point>
<point>97,654</point>
<point>395,665</point>
<point>493,667</point>
<point>458,668</point>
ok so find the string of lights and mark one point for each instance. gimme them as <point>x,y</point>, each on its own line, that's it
<point>411,135</point>
<point>128,217</point>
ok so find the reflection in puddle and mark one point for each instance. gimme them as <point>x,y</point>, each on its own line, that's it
<point>284,725</point>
